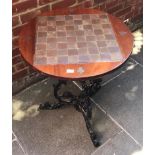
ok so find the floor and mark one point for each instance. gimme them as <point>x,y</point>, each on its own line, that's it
<point>117,116</point>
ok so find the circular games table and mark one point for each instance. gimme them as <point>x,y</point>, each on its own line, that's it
<point>76,44</point>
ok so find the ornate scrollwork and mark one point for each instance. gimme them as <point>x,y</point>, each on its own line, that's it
<point>82,103</point>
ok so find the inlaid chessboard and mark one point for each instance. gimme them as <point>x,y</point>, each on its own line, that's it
<point>75,39</point>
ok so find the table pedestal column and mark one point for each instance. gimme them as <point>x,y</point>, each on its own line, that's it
<point>82,102</point>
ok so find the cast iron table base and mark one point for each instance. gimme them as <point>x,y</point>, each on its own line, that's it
<point>82,103</point>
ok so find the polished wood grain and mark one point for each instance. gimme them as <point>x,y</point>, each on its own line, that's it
<point>27,46</point>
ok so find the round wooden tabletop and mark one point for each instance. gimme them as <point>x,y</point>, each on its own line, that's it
<point>91,70</point>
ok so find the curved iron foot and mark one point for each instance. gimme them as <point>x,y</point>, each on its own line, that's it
<point>48,106</point>
<point>85,106</point>
<point>94,137</point>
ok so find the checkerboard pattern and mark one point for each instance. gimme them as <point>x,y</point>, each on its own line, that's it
<point>75,39</point>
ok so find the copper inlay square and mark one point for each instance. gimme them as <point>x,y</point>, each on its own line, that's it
<point>62,59</point>
<point>75,39</point>
<point>72,52</point>
<point>90,38</point>
<point>84,58</point>
<point>62,52</point>
<point>71,39</point>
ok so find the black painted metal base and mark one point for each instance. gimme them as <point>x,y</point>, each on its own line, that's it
<point>82,103</point>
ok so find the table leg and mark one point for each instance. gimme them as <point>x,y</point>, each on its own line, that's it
<point>82,103</point>
<point>85,107</point>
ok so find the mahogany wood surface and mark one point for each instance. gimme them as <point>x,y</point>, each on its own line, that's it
<point>91,70</point>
